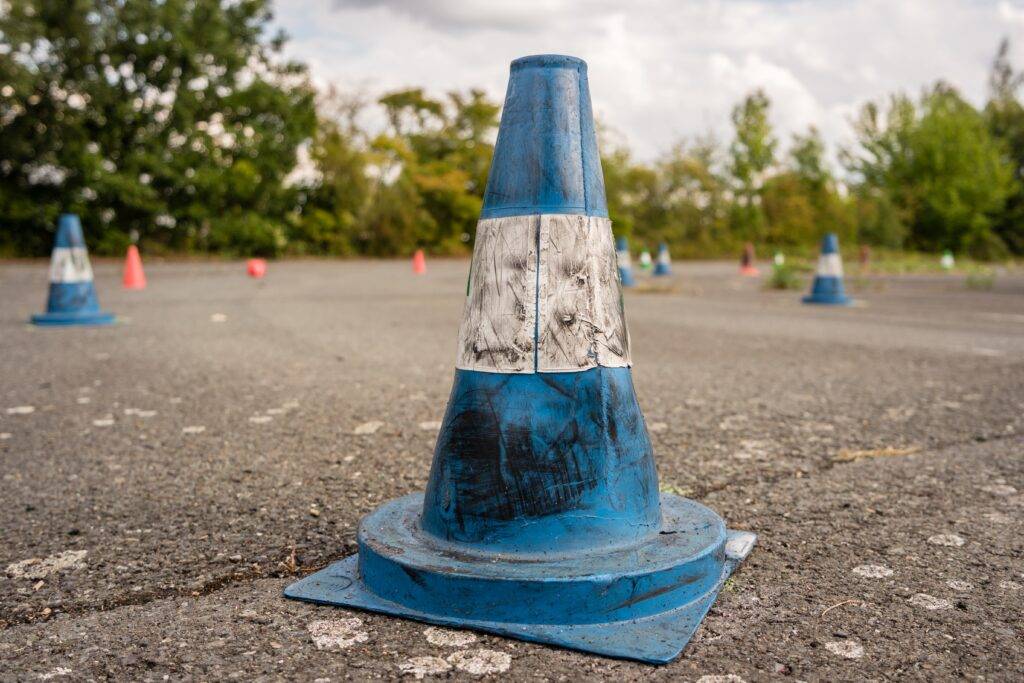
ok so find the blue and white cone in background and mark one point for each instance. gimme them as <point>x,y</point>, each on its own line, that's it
<point>72,299</point>
<point>625,262</point>
<point>828,280</point>
<point>542,518</point>
<point>663,266</point>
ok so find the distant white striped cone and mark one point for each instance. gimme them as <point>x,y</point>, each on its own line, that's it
<point>664,263</point>
<point>625,262</point>
<point>72,298</point>
<point>828,281</point>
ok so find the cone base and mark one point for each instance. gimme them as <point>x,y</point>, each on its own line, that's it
<point>670,581</point>
<point>661,271</point>
<point>65,319</point>
<point>828,301</point>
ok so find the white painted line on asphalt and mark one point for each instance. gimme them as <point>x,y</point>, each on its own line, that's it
<point>930,602</point>
<point>949,540</point>
<point>35,568</point>
<point>337,633</point>
<point>872,571</point>
<point>480,662</point>
<point>849,649</point>
<point>444,637</point>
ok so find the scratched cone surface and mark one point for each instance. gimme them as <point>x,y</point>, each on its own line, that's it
<point>72,295</point>
<point>542,518</point>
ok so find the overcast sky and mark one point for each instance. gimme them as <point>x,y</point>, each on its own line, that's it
<point>661,70</point>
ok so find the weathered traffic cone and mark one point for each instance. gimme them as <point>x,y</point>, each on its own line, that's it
<point>419,262</point>
<point>828,280</point>
<point>542,518</point>
<point>134,277</point>
<point>663,266</point>
<point>72,299</point>
<point>947,262</point>
<point>646,263</point>
<point>625,262</point>
<point>256,267</point>
<point>747,266</point>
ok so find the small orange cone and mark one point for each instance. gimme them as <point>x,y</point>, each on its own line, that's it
<point>256,267</point>
<point>419,262</point>
<point>134,278</point>
<point>747,266</point>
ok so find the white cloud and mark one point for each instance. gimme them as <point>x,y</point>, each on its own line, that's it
<point>665,69</point>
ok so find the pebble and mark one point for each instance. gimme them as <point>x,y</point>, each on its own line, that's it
<point>368,428</point>
<point>850,649</point>
<point>337,633</point>
<point>430,425</point>
<point>418,667</point>
<point>480,662</point>
<point>4,436</point>
<point>930,602</point>
<point>960,585</point>
<point>218,318</point>
<point>720,678</point>
<point>657,426</point>
<point>34,568</point>
<point>999,489</point>
<point>260,419</point>
<point>1009,585</point>
<point>872,571</point>
<point>950,540</point>
<point>83,400</point>
<point>21,410</point>
<point>444,637</point>
<point>103,422</point>
<point>193,429</point>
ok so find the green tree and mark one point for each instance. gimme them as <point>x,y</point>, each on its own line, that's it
<point>752,154</point>
<point>1005,115</point>
<point>175,119</point>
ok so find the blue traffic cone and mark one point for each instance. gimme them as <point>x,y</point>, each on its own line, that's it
<point>542,518</point>
<point>828,280</point>
<point>72,299</point>
<point>625,262</point>
<point>663,266</point>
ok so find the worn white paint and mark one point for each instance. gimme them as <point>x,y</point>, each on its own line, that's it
<point>551,279</point>
<point>35,568</point>
<point>480,662</point>
<point>260,419</point>
<point>103,422</point>
<point>21,410</point>
<point>930,602</point>
<point>193,429</point>
<point>949,540</point>
<point>830,265</point>
<point>849,649</point>
<point>999,489</point>
<point>337,633</point>
<point>218,318</point>
<point>872,571</point>
<point>418,667</point>
<point>367,428</point>
<point>69,265</point>
<point>444,637</point>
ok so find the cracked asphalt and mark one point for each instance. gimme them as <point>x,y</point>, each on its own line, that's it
<point>165,478</point>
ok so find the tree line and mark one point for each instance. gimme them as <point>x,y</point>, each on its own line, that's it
<point>178,123</point>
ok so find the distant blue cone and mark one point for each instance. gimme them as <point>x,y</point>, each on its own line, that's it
<point>625,262</point>
<point>663,264</point>
<point>72,299</point>
<point>828,280</point>
<point>542,518</point>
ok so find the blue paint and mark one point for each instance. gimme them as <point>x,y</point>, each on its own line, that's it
<point>543,462</point>
<point>625,272</point>
<point>72,303</point>
<point>828,290</point>
<point>545,158</point>
<point>661,266</point>
<point>542,518</point>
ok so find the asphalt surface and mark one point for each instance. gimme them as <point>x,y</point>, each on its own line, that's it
<point>165,478</point>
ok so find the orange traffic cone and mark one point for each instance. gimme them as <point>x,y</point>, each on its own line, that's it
<point>419,262</point>
<point>747,266</point>
<point>134,278</point>
<point>256,267</point>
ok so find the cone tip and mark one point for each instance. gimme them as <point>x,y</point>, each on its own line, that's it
<point>549,62</point>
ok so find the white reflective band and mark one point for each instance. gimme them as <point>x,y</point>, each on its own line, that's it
<point>663,257</point>
<point>830,264</point>
<point>567,296</point>
<point>69,265</point>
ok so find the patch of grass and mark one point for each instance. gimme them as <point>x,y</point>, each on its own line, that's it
<point>784,277</point>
